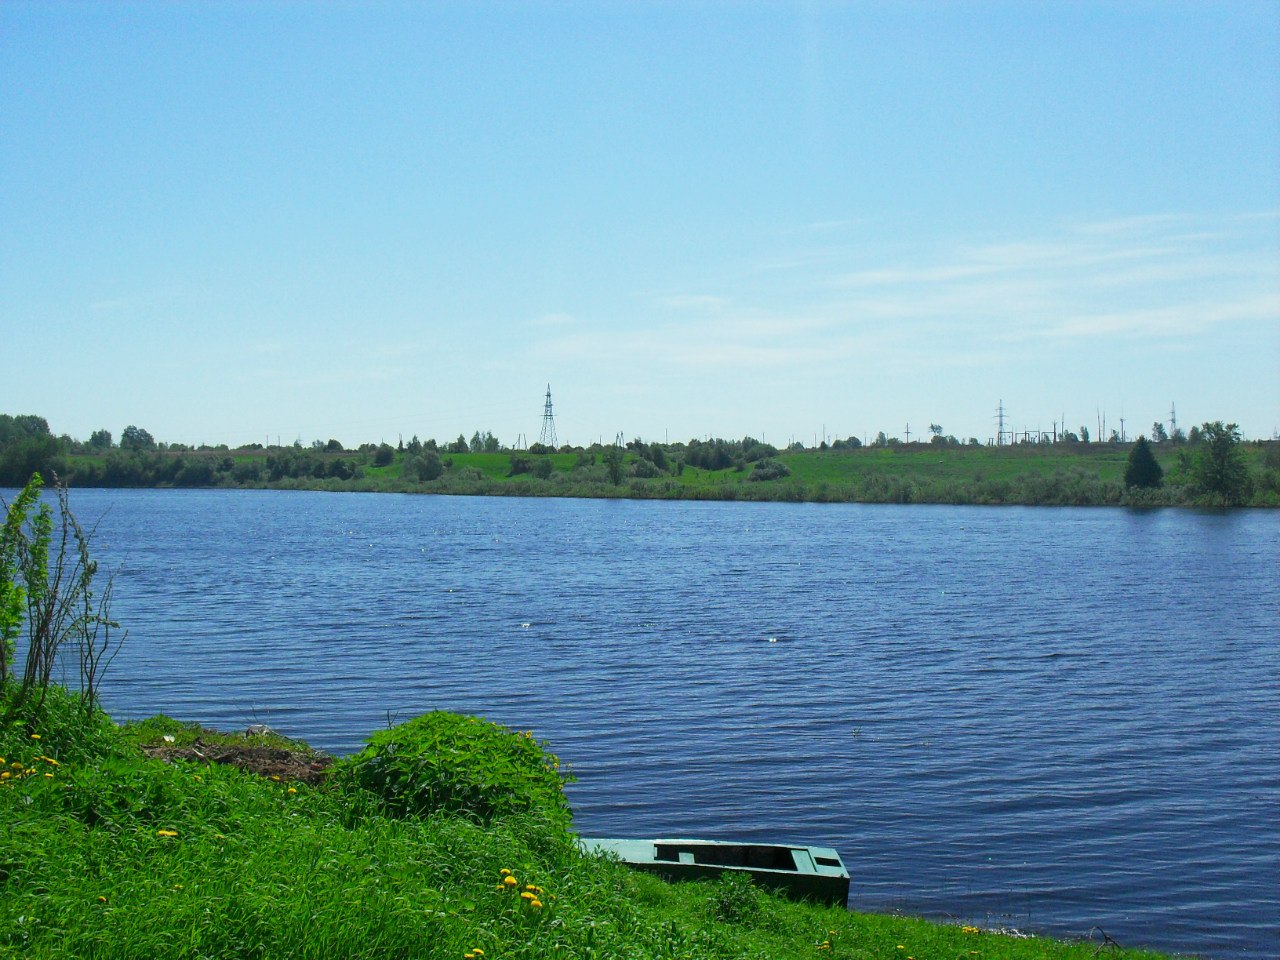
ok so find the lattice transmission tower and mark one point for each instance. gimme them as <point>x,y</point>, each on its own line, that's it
<point>548,437</point>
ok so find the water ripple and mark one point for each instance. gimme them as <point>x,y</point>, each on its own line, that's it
<point>1036,717</point>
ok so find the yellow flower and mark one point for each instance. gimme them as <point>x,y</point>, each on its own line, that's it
<point>536,904</point>
<point>6,775</point>
<point>468,956</point>
<point>102,899</point>
<point>969,930</point>
<point>35,736</point>
<point>504,872</point>
<point>166,833</point>
<point>478,952</point>
<point>527,896</point>
<point>293,790</point>
<point>509,880</point>
<point>51,760</point>
<point>49,775</point>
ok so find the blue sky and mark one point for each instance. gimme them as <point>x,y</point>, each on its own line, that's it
<point>228,222</point>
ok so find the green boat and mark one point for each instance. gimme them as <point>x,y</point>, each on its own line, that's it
<point>805,873</point>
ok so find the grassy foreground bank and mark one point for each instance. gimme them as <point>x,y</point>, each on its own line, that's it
<point>447,837</point>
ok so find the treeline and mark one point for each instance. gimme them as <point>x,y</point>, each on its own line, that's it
<point>1212,466</point>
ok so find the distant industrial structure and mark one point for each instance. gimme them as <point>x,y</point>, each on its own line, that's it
<point>548,436</point>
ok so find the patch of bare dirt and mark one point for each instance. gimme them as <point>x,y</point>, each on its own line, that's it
<point>291,765</point>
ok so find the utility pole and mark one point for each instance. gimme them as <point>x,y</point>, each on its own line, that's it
<point>908,432</point>
<point>1173,419</point>
<point>1000,424</point>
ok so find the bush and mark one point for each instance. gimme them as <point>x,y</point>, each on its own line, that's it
<point>769,470</point>
<point>446,763</point>
<point>645,470</point>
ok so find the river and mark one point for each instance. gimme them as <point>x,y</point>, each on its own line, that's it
<point>1035,718</point>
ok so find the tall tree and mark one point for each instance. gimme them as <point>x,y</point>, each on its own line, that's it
<point>1142,469</point>
<point>1219,468</point>
<point>135,438</point>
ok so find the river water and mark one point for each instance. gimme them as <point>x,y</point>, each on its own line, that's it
<point>1035,718</point>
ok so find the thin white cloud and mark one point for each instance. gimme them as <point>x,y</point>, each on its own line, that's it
<point>809,314</point>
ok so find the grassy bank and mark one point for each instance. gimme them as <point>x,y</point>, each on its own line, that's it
<point>402,851</point>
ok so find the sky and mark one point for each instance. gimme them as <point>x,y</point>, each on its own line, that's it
<point>237,222</point>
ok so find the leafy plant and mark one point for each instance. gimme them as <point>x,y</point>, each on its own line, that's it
<point>447,763</point>
<point>47,578</point>
<point>735,899</point>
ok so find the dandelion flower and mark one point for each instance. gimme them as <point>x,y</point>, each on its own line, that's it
<point>35,736</point>
<point>293,789</point>
<point>102,899</point>
<point>166,833</point>
<point>536,904</point>
<point>50,775</point>
<point>504,872</point>
<point>509,880</point>
<point>527,896</point>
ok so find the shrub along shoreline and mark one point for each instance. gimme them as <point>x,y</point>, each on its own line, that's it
<point>447,837</point>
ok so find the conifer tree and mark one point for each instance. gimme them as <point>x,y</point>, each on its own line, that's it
<point>1142,469</point>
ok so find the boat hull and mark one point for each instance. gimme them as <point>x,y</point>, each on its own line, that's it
<point>800,872</point>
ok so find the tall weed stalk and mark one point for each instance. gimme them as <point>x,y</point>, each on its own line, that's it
<point>49,579</point>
